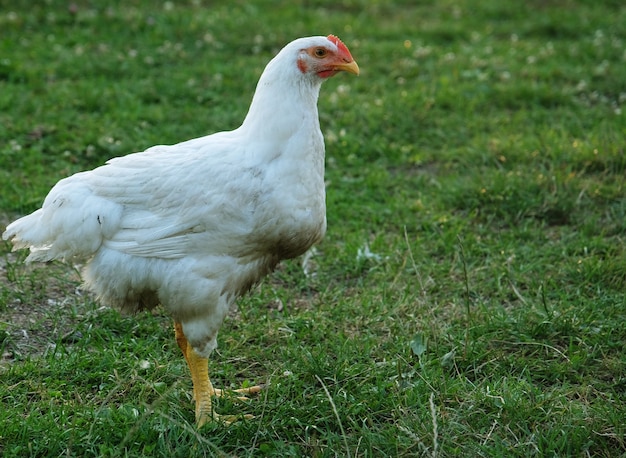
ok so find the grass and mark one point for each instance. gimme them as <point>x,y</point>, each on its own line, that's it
<point>468,299</point>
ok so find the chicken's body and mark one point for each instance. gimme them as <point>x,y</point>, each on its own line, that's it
<point>193,226</point>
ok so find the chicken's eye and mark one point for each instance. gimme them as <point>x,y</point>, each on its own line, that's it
<point>320,52</point>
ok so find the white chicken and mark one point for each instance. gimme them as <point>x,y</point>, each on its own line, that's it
<point>193,226</point>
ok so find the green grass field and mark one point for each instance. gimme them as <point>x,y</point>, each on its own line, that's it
<point>468,299</point>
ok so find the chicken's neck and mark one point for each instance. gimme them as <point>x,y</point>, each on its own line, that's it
<point>281,108</point>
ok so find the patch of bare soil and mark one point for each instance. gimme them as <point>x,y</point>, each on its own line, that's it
<point>37,306</point>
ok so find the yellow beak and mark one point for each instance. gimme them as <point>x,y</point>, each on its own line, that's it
<point>350,67</point>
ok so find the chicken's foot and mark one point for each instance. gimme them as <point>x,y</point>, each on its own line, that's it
<point>203,389</point>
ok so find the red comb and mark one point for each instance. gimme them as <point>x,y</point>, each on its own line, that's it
<point>342,48</point>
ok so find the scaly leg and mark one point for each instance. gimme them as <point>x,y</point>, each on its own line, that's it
<point>202,388</point>
<point>181,340</point>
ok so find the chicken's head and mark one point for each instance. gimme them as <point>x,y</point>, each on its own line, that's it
<point>326,57</point>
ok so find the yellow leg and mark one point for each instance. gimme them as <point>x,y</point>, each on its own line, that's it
<point>202,387</point>
<point>181,340</point>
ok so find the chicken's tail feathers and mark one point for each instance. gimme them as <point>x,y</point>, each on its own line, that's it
<point>64,228</point>
<point>27,232</point>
